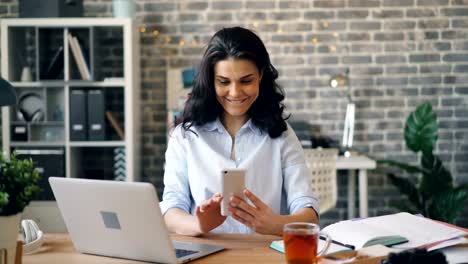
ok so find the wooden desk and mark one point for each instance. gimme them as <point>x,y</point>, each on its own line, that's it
<point>362,164</point>
<point>58,249</point>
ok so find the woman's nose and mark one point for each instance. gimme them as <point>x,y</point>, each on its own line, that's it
<point>235,89</point>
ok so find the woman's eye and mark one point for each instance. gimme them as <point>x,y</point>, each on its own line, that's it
<point>246,81</point>
<point>222,82</point>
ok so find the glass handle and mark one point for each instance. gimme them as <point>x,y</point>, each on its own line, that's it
<point>327,245</point>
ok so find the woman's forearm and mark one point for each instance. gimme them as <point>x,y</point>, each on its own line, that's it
<point>303,215</point>
<point>180,222</point>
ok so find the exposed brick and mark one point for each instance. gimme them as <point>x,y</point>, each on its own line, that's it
<point>397,36</point>
<point>386,13</point>
<point>354,36</point>
<point>246,16</point>
<point>363,3</point>
<point>432,2</point>
<point>461,90</point>
<point>417,58</point>
<point>226,5</point>
<point>452,34</point>
<point>356,59</point>
<point>398,3</point>
<point>461,68</point>
<point>386,59</point>
<point>456,57</point>
<point>298,4</point>
<point>281,16</point>
<point>287,38</point>
<point>159,7</point>
<point>429,80</point>
<point>421,12</point>
<point>260,4</point>
<point>399,25</point>
<point>460,23</point>
<point>435,68</point>
<point>459,2</point>
<point>401,69</point>
<point>219,16</point>
<point>399,47</point>
<point>458,11</point>
<point>329,3</point>
<point>392,81</point>
<point>353,14</point>
<point>365,25</point>
<point>317,60</point>
<point>461,46</point>
<point>312,15</point>
<point>193,5</point>
<point>432,24</point>
<point>361,47</point>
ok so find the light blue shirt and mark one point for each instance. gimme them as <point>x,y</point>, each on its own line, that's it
<point>275,169</point>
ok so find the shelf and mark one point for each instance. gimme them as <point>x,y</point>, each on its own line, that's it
<point>77,83</point>
<point>41,123</point>
<point>37,144</point>
<point>97,144</point>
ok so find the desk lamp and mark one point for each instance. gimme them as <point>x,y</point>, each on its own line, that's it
<point>7,93</point>
<point>342,81</point>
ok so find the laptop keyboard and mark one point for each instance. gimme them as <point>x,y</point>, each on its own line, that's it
<point>182,252</point>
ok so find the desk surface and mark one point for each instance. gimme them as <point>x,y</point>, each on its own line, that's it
<point>58,249</point>
<point>355,163</point>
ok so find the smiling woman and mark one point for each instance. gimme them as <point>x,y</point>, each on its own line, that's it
<point>234,119</point>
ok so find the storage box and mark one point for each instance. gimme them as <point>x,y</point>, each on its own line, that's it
<point>50,8</point>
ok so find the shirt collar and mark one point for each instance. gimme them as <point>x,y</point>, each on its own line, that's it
<point>218,126</point>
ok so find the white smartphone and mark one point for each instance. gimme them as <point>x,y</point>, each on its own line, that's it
<point>233,181</point>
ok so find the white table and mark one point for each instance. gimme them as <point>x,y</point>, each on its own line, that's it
<point>362,164</point>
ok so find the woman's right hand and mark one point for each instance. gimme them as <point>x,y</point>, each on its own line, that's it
<point>209,214</point>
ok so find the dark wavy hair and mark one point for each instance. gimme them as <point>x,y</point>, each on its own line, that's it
<point>239,43</point>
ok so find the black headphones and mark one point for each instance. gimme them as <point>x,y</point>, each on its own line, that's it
<point>31,107</point>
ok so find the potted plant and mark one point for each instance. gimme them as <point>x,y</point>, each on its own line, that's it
<point>18,186</point>
<point>429,186</point>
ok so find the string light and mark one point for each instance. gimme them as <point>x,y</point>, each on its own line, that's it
<point>255,24</point>
<point>325,24</point>
<point>155,32</point>
<point>314,39</point>
<point>332,48</point>
<point>181,43</point>
<point>142,29</point>
<point>335,34</point>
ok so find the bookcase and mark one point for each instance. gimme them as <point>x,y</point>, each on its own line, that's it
<point>90,87</point>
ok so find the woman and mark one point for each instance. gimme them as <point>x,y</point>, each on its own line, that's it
<point>234,119</point>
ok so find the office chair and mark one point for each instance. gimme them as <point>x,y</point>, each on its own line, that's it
<point>322,167</point>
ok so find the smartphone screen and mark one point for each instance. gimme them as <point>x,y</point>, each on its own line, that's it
<point>233,185</point>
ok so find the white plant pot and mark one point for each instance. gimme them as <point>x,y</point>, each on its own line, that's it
<point>9,228</point>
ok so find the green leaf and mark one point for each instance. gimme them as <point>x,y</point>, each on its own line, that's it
<point>404,166</point>
<point>408,188</point>
<point>447,205</point>
<point>421,129</point>
<point>438,180</point>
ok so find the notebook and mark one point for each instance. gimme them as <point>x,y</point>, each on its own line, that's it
<point>402,228</point>
<point>334,248</point>
<point>120,219</point>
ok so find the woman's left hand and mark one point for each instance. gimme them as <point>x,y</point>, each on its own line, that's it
<point>259,217</point>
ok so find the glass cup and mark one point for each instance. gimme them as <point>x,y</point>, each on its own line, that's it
<point>301,242</point>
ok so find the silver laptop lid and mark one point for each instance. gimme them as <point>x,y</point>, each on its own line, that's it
<point>118,219</point>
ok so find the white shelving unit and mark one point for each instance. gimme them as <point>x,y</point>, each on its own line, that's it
<point>21,40</point>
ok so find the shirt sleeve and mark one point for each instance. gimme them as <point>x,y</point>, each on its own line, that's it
<point>296,175</point>
<point>176,185</point>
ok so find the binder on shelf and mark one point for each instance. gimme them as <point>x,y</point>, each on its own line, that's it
<point>79,57</point>
<point>96,119</point>
<point>115,124</point>
<point>78,127</point>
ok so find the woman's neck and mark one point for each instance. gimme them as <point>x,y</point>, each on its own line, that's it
<point>233,123</point>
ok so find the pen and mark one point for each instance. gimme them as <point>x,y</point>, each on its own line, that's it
<point>339,243</point>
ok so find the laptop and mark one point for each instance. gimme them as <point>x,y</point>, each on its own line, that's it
<point>120,219</point>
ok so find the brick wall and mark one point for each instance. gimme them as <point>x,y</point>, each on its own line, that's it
<point>399,53</point>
